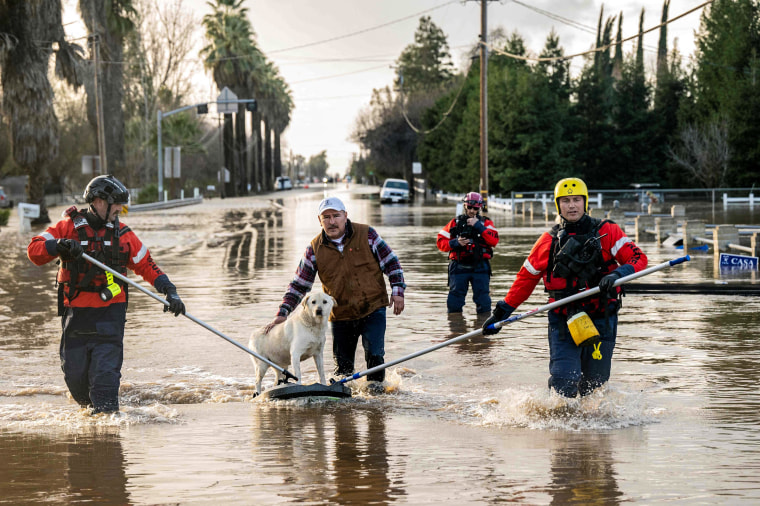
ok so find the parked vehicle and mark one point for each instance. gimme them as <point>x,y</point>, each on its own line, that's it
<point>4,200</point>
<point>283,183</point>
<point>394,190</point>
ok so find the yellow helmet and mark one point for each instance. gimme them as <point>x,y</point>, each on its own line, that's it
<point>570,186</point>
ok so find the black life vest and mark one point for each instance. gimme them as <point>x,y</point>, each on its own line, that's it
<point>576,256</point>
<point>478,249</point>
<point>81,273</point>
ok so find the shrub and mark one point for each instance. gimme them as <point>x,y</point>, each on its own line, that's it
<point>4,215</point>
<point>147,194</point>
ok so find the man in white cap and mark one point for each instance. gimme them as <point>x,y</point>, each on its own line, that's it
<point>350,259</point>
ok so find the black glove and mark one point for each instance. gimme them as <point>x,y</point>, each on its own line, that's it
<point>500,313</point>
<point>176,305</point>
<point>605,284</point>
<point>68,249</point>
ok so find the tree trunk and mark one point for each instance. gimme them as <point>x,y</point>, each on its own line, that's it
<point>277,155</point>
<point>241,151</point>
<point>229,156</point>
<point>268,169</point>
<point>111,84</point>
<point>27,95</point>
<point>254,155</point>
<point>259,153</point>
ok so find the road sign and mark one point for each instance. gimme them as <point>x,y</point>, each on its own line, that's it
<point>737,262</point>
<point>224,104</point>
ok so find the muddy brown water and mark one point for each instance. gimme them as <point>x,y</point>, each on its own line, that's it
<point>471,423</point>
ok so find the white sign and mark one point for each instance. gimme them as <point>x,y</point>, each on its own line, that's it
<point>172,162</point>
<point>28,210</point>
<point>416,168</point>
<point>223,105</point>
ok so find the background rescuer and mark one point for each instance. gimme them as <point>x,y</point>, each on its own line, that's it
<point>93,307</point>
<point>580,252</point>
<point>469,240</point>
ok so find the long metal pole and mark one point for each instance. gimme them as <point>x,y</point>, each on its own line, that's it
<point>547,307</point>
<point>160,159</point>
<point>484,102</point>
<point>191,317</point>
<point>99,106</point>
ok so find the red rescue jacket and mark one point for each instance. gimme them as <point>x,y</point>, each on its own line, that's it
<point>132,255</point>
<point>484,236</point>
<point>616,248</point>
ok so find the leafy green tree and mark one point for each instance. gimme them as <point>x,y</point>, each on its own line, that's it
<point>425,65</point>
<point>389,129</point>
<point>108,23</point>
<point>728,84</point>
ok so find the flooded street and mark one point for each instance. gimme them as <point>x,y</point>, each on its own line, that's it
<point>471,423</point>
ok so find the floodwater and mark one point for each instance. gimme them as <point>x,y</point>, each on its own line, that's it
<point>471,423</point>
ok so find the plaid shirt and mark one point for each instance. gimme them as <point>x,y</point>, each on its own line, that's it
<point>307,271</point>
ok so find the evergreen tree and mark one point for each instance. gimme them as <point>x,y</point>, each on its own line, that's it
<point>728,82</point>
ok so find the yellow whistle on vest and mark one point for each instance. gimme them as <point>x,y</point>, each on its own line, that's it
<point>582,329</point>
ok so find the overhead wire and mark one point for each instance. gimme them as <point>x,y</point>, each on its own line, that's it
<point>598,49</point>
<point>445,114</point>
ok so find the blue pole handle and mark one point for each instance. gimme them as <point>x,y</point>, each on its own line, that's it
<point>680,260</point>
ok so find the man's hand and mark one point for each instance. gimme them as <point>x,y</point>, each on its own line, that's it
<point>605,284</point>
<point>68,249</point>
<point>500,313</point>
<point>463,241</point>
<point>276,321</point>
<point>176,305</point>
<point>397,302</point>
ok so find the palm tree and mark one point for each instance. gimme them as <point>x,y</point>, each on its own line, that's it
<point>282,107</point>
<point>29,29</point>
<point>232,57</point>
<point>108,23</point>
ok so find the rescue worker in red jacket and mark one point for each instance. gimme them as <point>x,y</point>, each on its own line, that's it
<point>580,252</point>
<point>91,303</point>
<point>469,240</point>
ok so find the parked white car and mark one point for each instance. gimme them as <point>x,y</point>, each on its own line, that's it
<point>283,183</point>
<point>394,190</point>
<point>5,201</point>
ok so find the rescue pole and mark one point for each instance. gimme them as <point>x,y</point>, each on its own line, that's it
<point>547,307</point>
<point>191,317</point>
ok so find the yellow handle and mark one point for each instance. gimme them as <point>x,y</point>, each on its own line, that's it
<point>597,355</point>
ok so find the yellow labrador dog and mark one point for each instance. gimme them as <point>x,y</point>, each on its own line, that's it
<point>299,337</point>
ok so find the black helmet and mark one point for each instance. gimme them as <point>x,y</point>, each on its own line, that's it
<point>107,188</point>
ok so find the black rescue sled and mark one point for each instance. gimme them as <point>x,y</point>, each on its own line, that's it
<point>294,391</point>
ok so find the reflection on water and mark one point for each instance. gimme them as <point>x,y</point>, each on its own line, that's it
<point>86,468</point>
<point>336,454</point>
<point>472,422</point>
<point>583,470</point>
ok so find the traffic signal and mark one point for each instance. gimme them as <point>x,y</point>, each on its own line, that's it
<point>251,106</point>
<point>202,109</point>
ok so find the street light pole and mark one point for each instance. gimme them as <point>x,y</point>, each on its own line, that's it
<point>161,115</point>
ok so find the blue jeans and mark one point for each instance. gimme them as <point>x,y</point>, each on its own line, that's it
<point>92,352</point>
<point>460,277</point>
<point>346,334</point>
<point>573,370</point>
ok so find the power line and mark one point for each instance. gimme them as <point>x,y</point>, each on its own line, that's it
<point>598,49</point>
<point>365,30</point>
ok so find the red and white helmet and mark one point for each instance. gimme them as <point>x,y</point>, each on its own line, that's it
<point>473,199</point>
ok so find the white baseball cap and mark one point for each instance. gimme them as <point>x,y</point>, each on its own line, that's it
<point>331,203</point>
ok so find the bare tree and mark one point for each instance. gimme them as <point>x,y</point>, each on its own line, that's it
<point>705,152</point>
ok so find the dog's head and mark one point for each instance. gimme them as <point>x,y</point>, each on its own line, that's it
<point>318,305</point>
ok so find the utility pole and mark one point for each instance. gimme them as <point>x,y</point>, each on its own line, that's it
<point>484,103</point>
<point>95,47</point>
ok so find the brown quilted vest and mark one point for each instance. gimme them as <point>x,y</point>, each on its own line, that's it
<point>353,277</point>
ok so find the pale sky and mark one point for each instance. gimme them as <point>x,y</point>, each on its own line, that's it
<point>333,53</point>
